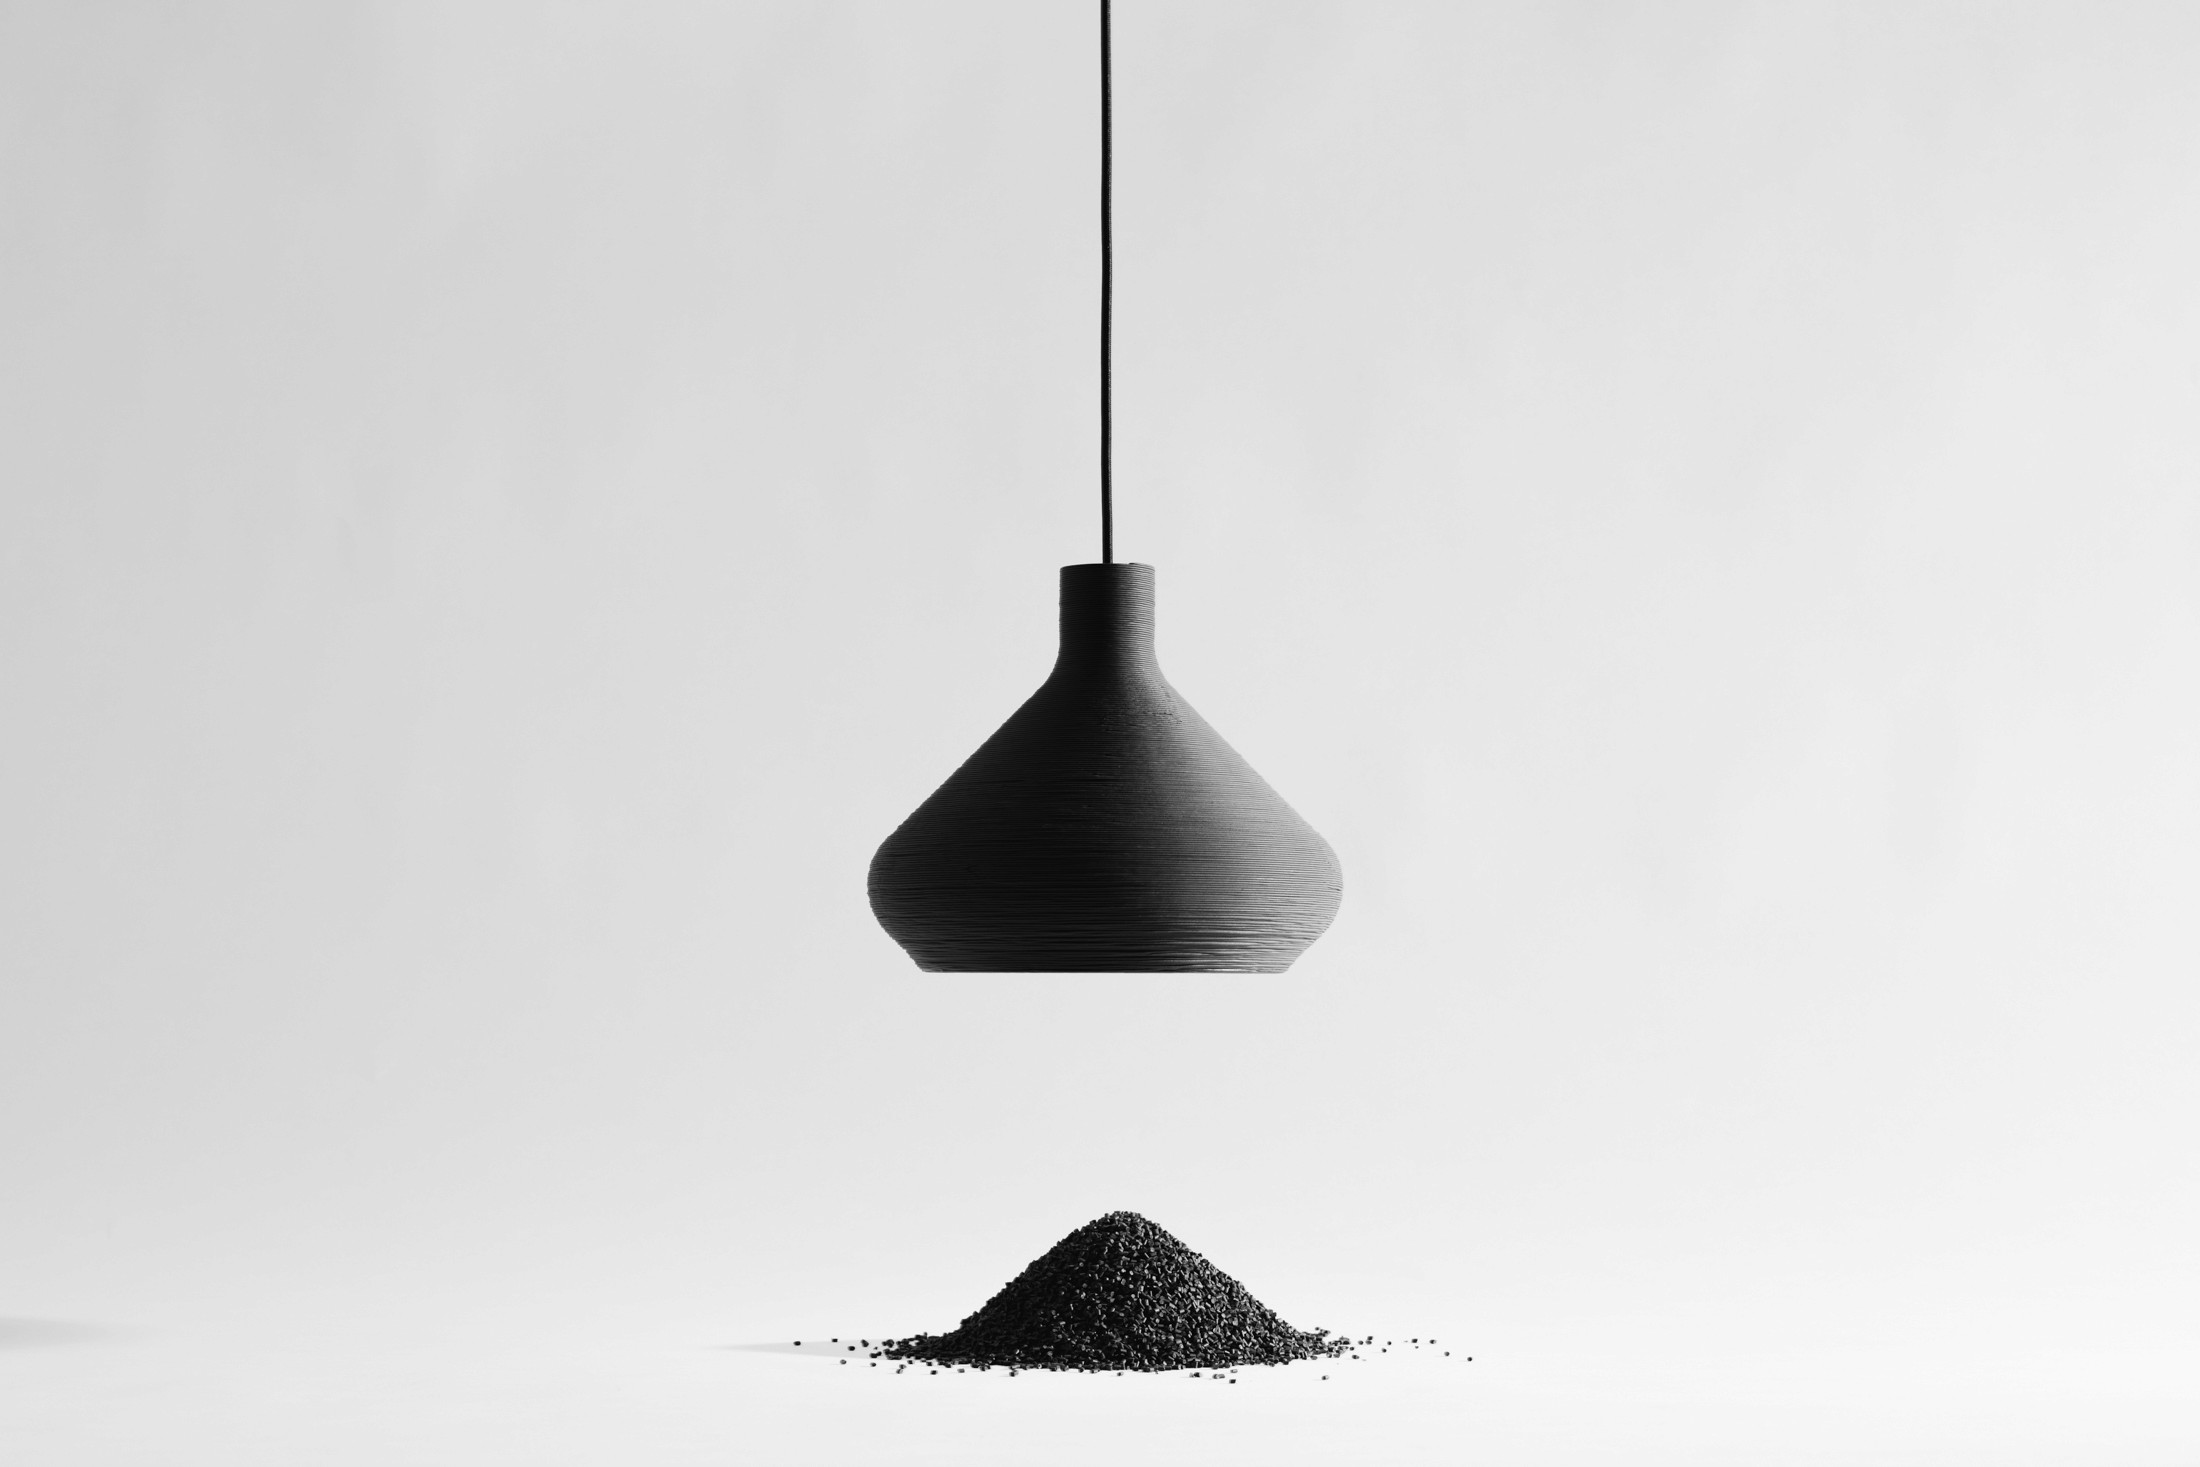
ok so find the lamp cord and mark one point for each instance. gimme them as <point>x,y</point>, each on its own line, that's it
<point>1107,299</point>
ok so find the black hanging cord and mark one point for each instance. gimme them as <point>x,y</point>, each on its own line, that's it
<point>1107,299</point>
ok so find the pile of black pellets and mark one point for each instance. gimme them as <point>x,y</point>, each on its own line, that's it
<point>1120,1294</point>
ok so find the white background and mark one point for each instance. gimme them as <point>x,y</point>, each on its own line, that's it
<point>503,507</point>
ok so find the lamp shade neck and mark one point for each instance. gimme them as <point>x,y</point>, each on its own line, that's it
<point>1107,619</point>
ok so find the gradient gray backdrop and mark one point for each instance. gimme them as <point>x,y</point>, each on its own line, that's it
<point>502,507</point>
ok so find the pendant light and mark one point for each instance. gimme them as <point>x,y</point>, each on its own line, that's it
<point>1105,827</point>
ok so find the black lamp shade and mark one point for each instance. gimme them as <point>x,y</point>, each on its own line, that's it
<point>1105,827</point>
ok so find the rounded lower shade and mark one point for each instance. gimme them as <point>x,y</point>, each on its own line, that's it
<point>1105,827</point>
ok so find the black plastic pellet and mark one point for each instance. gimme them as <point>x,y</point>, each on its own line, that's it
<point>1121,1294</point>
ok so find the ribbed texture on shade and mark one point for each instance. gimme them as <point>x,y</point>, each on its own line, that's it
<point>1105,827</point>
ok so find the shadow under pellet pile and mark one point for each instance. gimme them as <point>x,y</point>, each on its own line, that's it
<point>1120,1294</point>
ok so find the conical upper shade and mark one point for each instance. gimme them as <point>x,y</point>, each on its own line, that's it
<point>1105,827</point>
